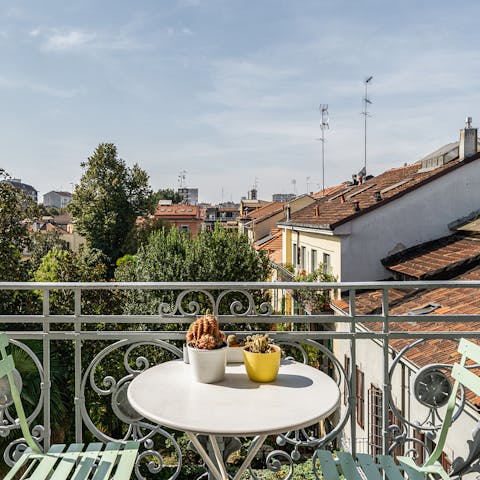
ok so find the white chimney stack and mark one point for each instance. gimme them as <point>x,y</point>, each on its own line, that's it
<point>468,140</point>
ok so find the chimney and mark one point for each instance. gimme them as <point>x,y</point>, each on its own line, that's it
<point>377,195</point>
<point>356,205</point>
<point>468,140</point>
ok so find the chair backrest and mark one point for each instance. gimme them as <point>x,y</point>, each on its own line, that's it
<point>462,376</point>
<point>7,366</point>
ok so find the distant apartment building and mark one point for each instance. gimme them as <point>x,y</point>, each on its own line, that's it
<point>225,215</point>
<point>189,195</point>
<point>283,197</point>
<point>27,189</point>
<point>57,199</point>
<point>187,218</point>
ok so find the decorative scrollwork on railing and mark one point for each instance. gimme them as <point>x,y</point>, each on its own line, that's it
<point>239,303</point>
<point>431,388</point>
<point>116,386</point>
<point>274,464</point>
<point>309,437</point>
<point>15,449</point>
<point>193,307</point>
<point>8,422</point>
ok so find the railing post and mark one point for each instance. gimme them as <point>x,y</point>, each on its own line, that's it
<point>47,384</point>
<point>386,389</point>
<point>352,397</point>
<point>79,398</point>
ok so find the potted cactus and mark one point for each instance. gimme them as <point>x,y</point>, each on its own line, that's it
<point>262,358</point>
<point>206,349</point>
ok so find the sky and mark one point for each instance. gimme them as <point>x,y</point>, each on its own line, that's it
<point>229,90</point>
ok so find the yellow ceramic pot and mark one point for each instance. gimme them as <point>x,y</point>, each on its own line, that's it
<point>262,367</point>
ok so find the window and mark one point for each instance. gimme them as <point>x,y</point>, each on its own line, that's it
<point>375,420</point>
<point>294,255</point>
<point>326,262</point>
<point>360,395</point>
<point>303,255</point>
<point>184,228</point>
<point>346,364</point>
<point>314,260</point>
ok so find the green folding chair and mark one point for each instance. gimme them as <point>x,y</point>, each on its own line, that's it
<point>97,461</point>
<point>364,466</point>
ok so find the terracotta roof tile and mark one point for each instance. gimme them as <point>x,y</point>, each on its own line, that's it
<point>264,211</point>
<point>335,209</point>
<point>434,258</point>
<point>458,301</point>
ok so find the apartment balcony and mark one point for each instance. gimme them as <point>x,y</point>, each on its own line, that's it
<point>78,346</point>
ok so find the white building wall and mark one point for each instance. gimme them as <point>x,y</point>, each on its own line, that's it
<point>370,361</point>
<point>417,217</point>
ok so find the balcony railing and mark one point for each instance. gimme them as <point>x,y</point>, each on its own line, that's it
<point>94,338</point>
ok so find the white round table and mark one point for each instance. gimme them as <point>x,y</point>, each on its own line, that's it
<point>167,395</point>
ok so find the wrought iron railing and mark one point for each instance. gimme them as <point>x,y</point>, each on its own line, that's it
<point>104,334</point>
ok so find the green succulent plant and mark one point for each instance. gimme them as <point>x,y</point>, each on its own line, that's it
<point>259,343</point>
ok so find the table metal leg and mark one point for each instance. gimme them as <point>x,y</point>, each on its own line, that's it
<point>203,453</point>
<point>220,472</point>
<point>254,448</point>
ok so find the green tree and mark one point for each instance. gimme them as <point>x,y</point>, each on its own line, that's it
<point>167,194</point>
<point>108,200</point>
<point>16,210</point>
<point>41,244</point>
<point>171,256</point>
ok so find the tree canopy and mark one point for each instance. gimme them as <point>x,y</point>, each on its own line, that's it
<point>16,209</point>
<point>172,256</point>
<point>108,200</point>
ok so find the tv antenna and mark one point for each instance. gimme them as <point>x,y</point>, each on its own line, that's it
<point>181,178</point>
<point>365,113</point>
<point>324,125</point>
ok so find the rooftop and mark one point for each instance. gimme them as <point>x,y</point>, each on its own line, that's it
<point>351,201</point>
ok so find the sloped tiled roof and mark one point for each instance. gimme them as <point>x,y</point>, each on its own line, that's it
<point>177,210</point>
<point>273,246</point>
<point>329,191</point>
<point>355,200</point>
<point>264,211</point>
<point>435,258</point>
<point>457,301</point>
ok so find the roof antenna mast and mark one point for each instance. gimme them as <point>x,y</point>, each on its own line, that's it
<point>365,113</point>
<point>324,125</point>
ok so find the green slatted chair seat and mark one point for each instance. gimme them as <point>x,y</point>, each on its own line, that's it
<point>113,461</point>
<point>365,467</point>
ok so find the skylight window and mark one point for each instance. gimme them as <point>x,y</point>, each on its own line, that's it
<point>425,309</point>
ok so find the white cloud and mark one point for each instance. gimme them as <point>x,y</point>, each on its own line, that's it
<point>21,84</point>
<point>69,40</point>
<point>78,40</point>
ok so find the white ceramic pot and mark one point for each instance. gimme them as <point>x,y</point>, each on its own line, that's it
<point>234,354</point>
<point>207,366</point>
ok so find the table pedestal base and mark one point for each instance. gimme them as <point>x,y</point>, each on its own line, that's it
<point>219,471</point>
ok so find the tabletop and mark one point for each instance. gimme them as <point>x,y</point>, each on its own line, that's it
<point>300,396</point>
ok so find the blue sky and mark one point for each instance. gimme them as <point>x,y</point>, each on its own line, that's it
<point>229,90</point>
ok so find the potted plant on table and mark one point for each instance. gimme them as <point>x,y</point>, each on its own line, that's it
<point>206,349</point>
<point>262,358</point>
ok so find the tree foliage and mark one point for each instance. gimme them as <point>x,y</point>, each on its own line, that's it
<point>167,194</point>
<point>41,244</point>
<point>172,256</point>
<point>108,200</point>
<point>15,212</point>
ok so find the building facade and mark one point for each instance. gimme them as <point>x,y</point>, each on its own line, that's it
<point>57,199</point>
